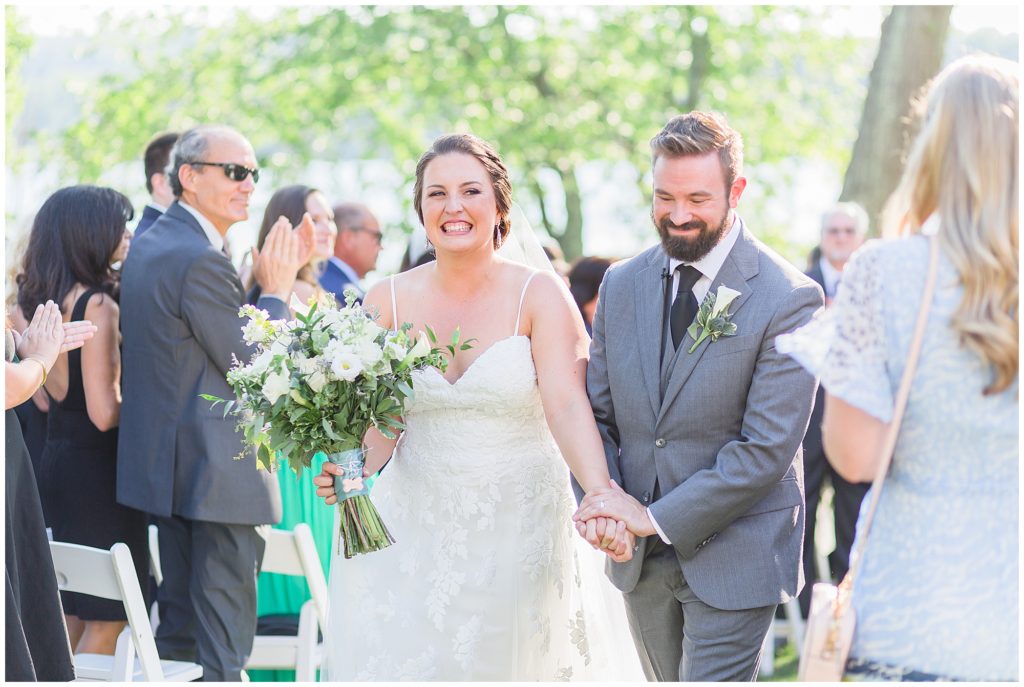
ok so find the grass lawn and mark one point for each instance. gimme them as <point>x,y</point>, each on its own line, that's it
<point>785,665</point>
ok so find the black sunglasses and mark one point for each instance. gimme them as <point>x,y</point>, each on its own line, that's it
<point>377,236</point>
<point>232,171</point>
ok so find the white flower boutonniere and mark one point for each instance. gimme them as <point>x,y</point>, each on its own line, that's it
<point>713,317</point>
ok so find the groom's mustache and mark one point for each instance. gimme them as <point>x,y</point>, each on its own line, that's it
<point>666,224</point>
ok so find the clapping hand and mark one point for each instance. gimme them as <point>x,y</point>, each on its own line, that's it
<point>614,502</point>
<point>46,336</point>
<point>284,253</point>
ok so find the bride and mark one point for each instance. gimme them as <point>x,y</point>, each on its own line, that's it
<point>486,580</point>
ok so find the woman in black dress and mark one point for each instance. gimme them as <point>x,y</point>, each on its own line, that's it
<point>79,233</point>
<point>35,639</point>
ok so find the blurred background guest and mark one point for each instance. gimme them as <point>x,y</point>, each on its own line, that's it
<point>584,279</point>
<point>554,253</point>
<point>355,250</point>
<point>292,202</point>
<point>79,232</point>
<point>937,593</point>
<point>36,646</point>
<point>417,251</point>
<point>158,153</point>
<point>844,227</point>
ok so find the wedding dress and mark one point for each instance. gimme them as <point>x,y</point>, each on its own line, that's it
<point>487,579</point>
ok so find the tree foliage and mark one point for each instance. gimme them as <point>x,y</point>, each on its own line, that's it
<point>552,88</point>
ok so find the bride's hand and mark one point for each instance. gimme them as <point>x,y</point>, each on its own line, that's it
<point>615,503</point>
<point>325,482</point>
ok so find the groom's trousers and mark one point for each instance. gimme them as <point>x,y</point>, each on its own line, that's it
<point>679,637</point>
<point>207,600</point>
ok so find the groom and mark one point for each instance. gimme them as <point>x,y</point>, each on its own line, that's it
<point>701,431</point>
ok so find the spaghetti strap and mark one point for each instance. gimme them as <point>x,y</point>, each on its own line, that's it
<point>394,305</point>
<point>522,297</point>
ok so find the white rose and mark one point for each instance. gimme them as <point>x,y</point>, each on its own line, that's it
<point>370,353</point>
<point>346,365</point>
<point>306,366</point>
<point>279,346</point>
<point>275,386</point>
<point>260,364</point>
<point>316,381</point>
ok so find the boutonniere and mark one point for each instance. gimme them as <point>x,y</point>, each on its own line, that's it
<point>713,317</point>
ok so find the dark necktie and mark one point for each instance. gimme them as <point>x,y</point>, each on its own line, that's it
<point>684,307</point>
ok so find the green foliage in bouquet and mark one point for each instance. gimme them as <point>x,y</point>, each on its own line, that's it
<point>319,382</point>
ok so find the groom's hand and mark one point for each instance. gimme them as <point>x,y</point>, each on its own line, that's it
<point>615,503</point>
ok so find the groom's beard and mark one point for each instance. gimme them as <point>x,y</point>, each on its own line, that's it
<point>689,249</point>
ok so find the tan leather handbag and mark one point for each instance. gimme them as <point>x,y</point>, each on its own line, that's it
<point>831,620</point>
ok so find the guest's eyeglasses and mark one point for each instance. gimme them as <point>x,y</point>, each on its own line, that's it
<point>835,231</point>
<point>377,236</point>
<point>232,171</point>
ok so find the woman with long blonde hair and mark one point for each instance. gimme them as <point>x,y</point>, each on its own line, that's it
<point>936,596</point>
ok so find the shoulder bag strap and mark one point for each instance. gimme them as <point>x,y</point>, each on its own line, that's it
<point>897,417</point>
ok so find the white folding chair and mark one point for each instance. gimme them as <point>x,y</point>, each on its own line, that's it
<point>111,575</point>
<point>294,553</point>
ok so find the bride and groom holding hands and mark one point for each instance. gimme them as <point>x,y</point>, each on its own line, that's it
<point>680,422</point>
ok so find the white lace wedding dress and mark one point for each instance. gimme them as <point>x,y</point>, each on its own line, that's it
<point>487,579</point>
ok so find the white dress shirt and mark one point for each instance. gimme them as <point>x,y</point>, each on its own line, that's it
<point>708,266</point>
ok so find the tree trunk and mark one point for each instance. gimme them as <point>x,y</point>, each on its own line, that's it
<point>571,239</point>
<point>909,53</point>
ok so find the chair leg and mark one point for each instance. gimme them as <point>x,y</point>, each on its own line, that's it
<point>124,657</point>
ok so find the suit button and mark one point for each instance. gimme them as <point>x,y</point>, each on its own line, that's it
<point>659,442</point>
<point>646,497</point>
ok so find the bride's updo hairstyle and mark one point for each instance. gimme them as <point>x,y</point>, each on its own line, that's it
<point>488,157</point>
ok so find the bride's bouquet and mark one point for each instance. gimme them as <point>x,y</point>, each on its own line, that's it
<point>318,383</point>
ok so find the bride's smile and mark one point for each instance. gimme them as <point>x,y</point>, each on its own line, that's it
<point>459,205</point>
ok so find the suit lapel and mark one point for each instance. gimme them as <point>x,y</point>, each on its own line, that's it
<point>184,216</point>
<point>738,268</point>
<point>650,304</point>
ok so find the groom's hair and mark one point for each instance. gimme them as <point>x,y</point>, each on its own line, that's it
<point>699,133</point>
<point>483,151</point>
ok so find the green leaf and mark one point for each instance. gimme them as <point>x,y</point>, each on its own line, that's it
<point>264,458</point>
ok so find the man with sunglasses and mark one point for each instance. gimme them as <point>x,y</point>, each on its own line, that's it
<point>844,227</point>
<point>355,250</point>
<point>180,327</point>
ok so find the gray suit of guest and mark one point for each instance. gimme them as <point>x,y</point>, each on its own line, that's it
<point>176,455</point>
<point>710,441</point>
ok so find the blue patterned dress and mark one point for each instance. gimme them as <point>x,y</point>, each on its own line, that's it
<point>937,595</point>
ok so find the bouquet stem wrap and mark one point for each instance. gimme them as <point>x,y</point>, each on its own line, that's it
<point>362,530</point>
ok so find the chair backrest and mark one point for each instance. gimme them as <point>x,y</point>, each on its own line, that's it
<point>294,553</point>
<point>110,575</point>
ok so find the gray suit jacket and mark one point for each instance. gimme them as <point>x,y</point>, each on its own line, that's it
<point>723,445</point>
<point>179,322</point>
